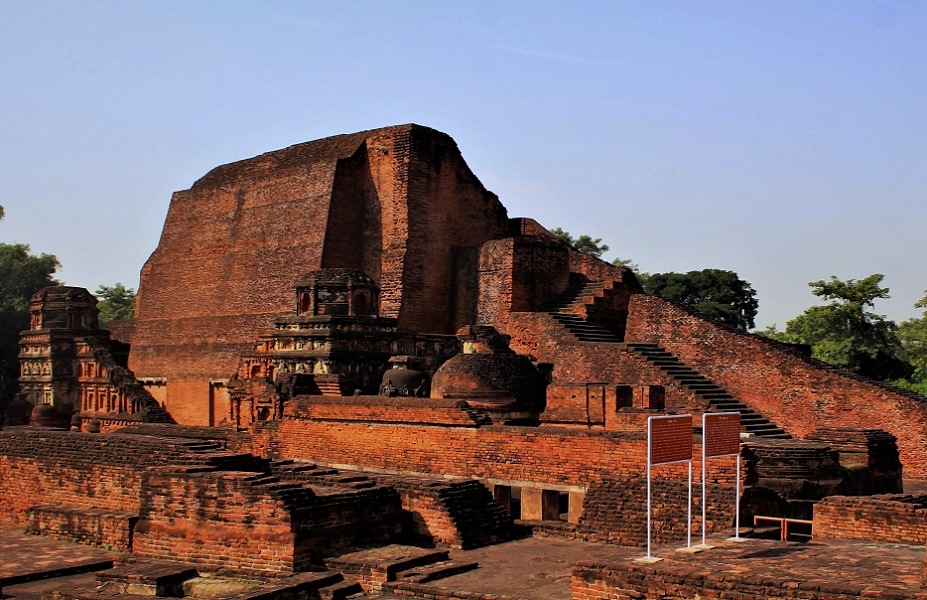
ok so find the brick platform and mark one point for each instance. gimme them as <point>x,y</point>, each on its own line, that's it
<point>758,569</point>
<point>28,557</point>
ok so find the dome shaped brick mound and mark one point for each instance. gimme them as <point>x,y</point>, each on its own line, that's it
<point>489,375</point>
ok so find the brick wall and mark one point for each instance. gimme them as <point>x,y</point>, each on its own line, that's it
<point>94,526</point>
<point>593,581</point>
<point>40,467</point>
<point>615,511</point>
<point>893,518</point>
<point>458,513</point>
<point>205,295</point>
<point>377,409</point>
<point>797,393</point>
<point>215,520</point>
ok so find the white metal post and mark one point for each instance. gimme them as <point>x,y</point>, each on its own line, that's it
<point>649,453</point>
<point>704,496</point>
<point>689,536</point>
<point>737,502</point>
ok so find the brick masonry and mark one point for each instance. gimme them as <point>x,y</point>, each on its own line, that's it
<point>405,191</point>
<point>894,518</point>
<point>796,392</point>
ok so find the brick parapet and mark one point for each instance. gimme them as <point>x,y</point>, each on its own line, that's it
<point>91,526</point>
<point>79,470</point>
<point>379,409</point>
<point>892,518</point>
<point>598,581</point>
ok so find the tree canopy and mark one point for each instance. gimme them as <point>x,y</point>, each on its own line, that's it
<point>846,333</point>
<point>913,337</point>
<point>584,243</point>
<point>21,275</point>
<point>716,293</point>
<point>115,302</point>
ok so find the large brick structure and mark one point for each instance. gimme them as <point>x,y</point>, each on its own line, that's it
<point>398,203</point>
<point>400,207</point>
<point>283,289</point>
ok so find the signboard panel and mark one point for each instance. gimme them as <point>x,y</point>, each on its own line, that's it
<point>721,434</point>
<point>670,439</point>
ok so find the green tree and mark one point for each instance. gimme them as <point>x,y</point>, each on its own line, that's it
<point>716,293</point>
<point>846,333</point>
<point>115,302</point>
<point>584,243</point>
<point>913,337</point>
<point>21,275</point>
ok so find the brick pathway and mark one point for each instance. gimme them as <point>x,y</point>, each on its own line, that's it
<point>540,569</point>
<point>27,557</point>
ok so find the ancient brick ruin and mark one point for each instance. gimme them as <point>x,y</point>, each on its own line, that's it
<point>360,349</point>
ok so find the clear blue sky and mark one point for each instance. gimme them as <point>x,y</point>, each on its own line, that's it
<point>786,141</point>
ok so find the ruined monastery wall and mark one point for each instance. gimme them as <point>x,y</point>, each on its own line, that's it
<point>796,392</point>
<point>41,467</point>
<point>548,455</point>
<point>892,518</point>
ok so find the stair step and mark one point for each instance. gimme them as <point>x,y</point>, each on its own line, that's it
<point>718,399</point>
<point>435,571</point>
<point>347,588</point>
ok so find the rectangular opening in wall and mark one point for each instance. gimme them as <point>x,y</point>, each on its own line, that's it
<point>515,503</point>
<point>503,495</point>
<point>550,505</point>
<point>563,504</point>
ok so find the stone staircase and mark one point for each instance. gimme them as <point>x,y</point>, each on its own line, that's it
<point>380,570</point>
<point>717,397</point>
<point>565,308</point>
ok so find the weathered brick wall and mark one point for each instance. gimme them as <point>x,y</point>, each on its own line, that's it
<point>40,467</point>
<point>541,336</point>
<point>615,511</point>
<point>234,243</point>
<point>215,520</point>
<point>548,455</point>
<point>458,513</point>
<point>449,210</point>
<point>93,526</point>
<point>797,393</point>
<point>377,409</point>
<point>248,522</point>
<point>893,518</point>
<point>592,581</point>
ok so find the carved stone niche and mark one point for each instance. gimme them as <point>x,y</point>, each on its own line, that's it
<point>337,292</point>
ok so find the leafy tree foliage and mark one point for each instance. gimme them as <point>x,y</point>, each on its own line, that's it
<point>584,243</point>
<point>913,336</point>
<point>627,263</point>
<point>21,275</point>
<point>846,333</point>
<point>115,302</point>
<point>716,293</point>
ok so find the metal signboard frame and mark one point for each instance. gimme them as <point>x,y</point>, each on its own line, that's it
<point>673,437</point>
<point>721,437</point>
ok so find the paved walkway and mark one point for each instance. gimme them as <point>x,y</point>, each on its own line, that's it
<point>26,557</point>
<point>540,569</point>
